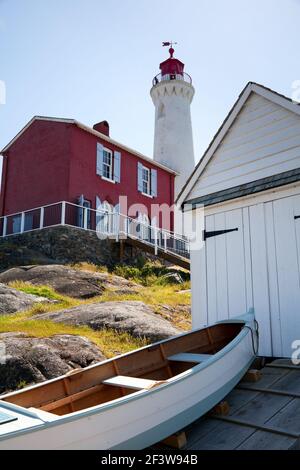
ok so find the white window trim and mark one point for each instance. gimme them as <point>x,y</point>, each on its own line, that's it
<point>145,168</point>
<point>147,195</point>
<point>107,179</point>
<point>110,179</point>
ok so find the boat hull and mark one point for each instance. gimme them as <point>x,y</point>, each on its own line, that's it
<point>148,416</point>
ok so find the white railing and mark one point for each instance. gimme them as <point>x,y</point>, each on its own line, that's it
<point>106,224</point>
<point>172,76</point>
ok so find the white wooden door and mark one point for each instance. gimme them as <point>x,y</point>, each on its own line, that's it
<point>275,248</point>
<point>256,266</point>
<point>227,266</point>
<point>287,249</point>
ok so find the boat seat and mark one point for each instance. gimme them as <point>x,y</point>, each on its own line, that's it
<point>134,383</point>
<point>189,357</point>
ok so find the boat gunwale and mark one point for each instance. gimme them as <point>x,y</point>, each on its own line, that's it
<point>102,407</point>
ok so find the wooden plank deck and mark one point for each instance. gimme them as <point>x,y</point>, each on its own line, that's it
<point>262,415</point>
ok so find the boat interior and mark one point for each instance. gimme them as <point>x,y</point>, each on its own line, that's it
<point>142,369</point>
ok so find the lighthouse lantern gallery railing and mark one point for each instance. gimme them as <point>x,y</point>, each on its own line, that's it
<point>106,224</point>
<point>172,76</point>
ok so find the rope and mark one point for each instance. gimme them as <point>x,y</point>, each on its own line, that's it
<point>255,347</point>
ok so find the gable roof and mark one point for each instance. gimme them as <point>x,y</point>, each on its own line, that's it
<point>251,87</point>
<point>91,131</point>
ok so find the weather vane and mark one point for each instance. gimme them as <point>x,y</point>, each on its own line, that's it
<point>169,43</point>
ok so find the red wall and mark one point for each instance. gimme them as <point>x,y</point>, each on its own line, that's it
<point>83,169</point>
<point>56,161</point>
<point>37,169</point>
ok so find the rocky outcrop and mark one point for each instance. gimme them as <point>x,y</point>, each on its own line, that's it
<point>25,360</point>
<point>12,300</point>
<point>133,317</point>
<point>69,281</point>
<point>64,280</point>
<point>65,244</point>
<point>117,283</point>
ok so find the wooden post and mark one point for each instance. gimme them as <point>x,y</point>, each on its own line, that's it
<point>221,409</point>
<point>177,440</point>
<point>253,375</point>
<point>121,249</point>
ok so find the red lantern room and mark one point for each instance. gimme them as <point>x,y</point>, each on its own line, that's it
<point>171,66</point>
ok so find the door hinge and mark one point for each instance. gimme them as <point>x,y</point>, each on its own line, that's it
<point>215,233</point>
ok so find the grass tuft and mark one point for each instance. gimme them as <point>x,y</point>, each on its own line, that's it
<point>151,274</point>
<point>93,268</point>
<point>60,301</point>
<point>109,341</point>
<point>154,295</point>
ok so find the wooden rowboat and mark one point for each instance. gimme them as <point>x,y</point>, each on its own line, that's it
<point>135,399</point>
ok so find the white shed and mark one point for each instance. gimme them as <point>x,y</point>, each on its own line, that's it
<point>249,182</point>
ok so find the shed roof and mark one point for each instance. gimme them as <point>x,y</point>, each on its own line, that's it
<point>251,87</point>
<point>263,184</point>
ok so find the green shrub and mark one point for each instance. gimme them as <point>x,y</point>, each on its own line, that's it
<point>151,273</point>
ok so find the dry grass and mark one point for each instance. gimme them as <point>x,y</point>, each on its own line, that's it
<point>165,300</point>
<point>109,341</point>
<point>155,295</point>
<point>93,268</point>
<point>180,316</point>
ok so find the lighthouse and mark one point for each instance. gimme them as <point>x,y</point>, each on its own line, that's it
<point>172,93</point>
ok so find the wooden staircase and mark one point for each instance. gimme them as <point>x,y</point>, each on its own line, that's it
<point>172,257</point>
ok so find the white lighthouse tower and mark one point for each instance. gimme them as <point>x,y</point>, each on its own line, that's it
<point>172,93</point>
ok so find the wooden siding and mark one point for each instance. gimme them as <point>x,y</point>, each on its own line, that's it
<point>264,140</point>
<point>256,266</point>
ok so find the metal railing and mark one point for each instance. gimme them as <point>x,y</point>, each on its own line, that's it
<point>160,239</point>
<point>106,224</point>
<point>172,76</point>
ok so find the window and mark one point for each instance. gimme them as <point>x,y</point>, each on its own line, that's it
<point>28,223</point>
<point>107,164</point>
<point>146,180</point>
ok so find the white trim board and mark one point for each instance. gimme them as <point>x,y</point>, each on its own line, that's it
<point>251,200</point>
<point>251,87</point>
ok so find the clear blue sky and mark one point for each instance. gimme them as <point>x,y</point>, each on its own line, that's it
<point>94,59</point>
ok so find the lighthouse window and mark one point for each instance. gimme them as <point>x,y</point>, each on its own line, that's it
<point>146,180</point>
<point>107,164</point>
